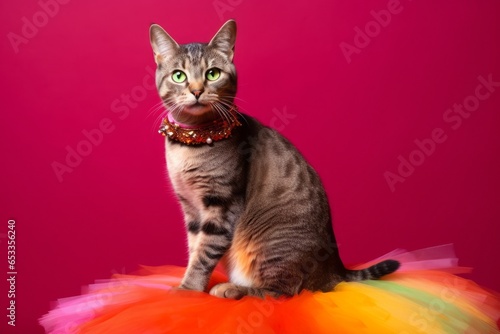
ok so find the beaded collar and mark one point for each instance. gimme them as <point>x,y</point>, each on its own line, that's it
<point>202,134</point>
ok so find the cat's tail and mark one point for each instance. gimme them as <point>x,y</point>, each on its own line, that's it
<point>373,272</point>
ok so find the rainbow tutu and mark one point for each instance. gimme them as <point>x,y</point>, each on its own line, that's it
<point>424,296</point>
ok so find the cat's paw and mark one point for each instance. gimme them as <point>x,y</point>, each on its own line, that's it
<point>228,290</point>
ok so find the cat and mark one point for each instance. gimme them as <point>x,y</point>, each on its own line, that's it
<point>250,200</point>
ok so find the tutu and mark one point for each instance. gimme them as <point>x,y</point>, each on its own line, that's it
<point>424,296</point>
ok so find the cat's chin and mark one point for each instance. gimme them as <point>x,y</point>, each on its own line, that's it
<point>195,114</point>
<point>197,109</point>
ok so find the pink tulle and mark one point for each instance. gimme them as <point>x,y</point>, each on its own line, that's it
<point>432,258</point>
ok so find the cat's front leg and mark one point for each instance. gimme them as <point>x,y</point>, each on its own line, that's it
<point>208,242</point>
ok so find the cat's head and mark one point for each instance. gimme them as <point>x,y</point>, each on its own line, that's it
<point>197,81</point>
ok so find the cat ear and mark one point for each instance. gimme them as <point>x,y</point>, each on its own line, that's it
<point>163,45</point>
<point>225,38</point>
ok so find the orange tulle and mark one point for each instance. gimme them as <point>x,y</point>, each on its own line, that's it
<point>410,301</point>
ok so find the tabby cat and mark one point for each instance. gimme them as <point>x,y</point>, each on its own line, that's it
<point>250,200</point>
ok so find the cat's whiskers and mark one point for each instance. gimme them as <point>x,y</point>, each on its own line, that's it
<point>159,111</point>
<point>219,108</point>
<point>236,98</point>
<point>229,104</point>
<point>219,111</point>
<point>155,108</point>
<point>161,105</point>
<point>165,106</point>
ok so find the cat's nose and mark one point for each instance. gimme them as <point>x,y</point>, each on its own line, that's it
<point>197,93</point>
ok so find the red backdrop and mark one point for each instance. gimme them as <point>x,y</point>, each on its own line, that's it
<point>395,103</point>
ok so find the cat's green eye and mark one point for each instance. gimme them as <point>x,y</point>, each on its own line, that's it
<point>179,76</point>
<point>213,74</point>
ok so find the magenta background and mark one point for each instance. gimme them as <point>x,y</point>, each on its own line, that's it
<point>116,211</point>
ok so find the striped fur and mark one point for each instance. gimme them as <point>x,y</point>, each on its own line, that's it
<point>250,202</point>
